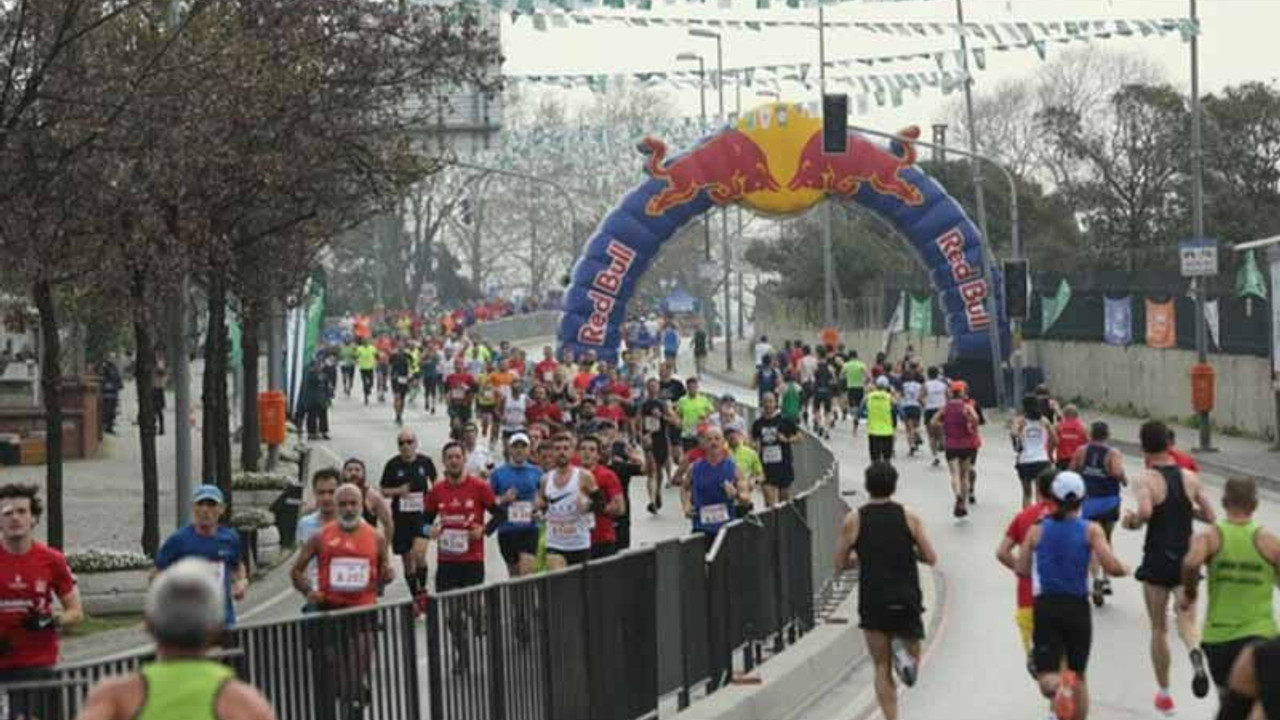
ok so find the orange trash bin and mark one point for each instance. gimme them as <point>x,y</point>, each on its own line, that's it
<point>1202,387</point>
<point>271,417</point>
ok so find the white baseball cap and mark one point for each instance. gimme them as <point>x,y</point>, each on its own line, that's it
<point>519,438</point>
<point>882,382</point>
<point>1067,484</point>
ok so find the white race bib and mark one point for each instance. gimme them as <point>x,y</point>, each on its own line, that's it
<point>217,570</point>
<point>772,454</point>
<point>411,503</point>
<point>547,377</point>
<point>567,529</point>
<point>717,514</point>
<point>520,512</point>
<point>652,424</point>
<point>458,393</point>
<point>454,541</point>
<point>349,574</point>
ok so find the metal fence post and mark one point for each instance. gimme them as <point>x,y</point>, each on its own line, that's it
<point>497,654</point>
<point>435,687</point>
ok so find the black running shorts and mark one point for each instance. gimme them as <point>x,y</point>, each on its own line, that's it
<point>1063,628</point>
<point>515,543</point>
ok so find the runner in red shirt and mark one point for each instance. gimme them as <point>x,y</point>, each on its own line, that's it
<point>544,372</point>
<point>1181,459</point>
<point>541,409</point>
<point>1012,542</point>
<point>353,560</point>
<point>455,513</point>
<point>460,390</point>
<point>1072,435</point>
<point>31,576</point>
<point>611,504</point>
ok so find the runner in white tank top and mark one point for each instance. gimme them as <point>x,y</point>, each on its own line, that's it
<point>569,518</point>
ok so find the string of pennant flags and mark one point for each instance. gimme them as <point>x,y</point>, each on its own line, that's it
<point>802,73</point>
<point>996,32</point>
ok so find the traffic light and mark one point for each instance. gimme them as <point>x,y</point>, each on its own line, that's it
<point>835,123</point>
<point>1017,289</point>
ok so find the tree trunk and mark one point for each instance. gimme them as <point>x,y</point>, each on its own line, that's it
<point>144,367</point>
<point>250,435</point>
<point>217,432</point>
<point>51,386</point>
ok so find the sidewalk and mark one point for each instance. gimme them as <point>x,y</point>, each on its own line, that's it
<point>1234,456</point>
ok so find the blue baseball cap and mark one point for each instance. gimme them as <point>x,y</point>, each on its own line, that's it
<point>209,492</point>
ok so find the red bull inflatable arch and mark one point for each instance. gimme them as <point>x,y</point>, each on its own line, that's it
<point>771,161</point>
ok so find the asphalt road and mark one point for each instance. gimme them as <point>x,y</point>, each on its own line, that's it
<point>974,668</point>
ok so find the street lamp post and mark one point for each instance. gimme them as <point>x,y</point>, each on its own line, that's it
<point>702,103</point>
<point>724,217</point>
<point>1197,215</point>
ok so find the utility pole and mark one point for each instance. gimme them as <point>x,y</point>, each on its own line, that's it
<point>275,365</point>
<point>828,263</point>
<point>979,198</point>
<point>1197,215</point>
<point>706,221</point>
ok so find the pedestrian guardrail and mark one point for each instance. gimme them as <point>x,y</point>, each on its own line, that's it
<point>639,635</point>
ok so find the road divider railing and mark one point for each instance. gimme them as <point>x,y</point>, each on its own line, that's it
<point>641,634</point>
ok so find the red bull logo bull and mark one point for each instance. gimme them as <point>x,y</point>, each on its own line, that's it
<point>862,163</point>
<point>728,166</point>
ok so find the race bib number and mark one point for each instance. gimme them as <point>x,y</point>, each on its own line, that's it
<point>566,529</point>
<point>349,574</point>
<point>411,503</point>
<point>454,541</point>
<point>652,424</point>
<point>520,512</point>
<point>458,393</point>
<point>547,377</point>
<point>218,571</point>
<point>772,454</point>
<point>717,514</point>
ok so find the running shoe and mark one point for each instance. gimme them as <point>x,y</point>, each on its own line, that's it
<point>937,461</point>
<point>904,664</point>
<point>653,509</point>
<point>1164,703</point>
<point>1106,586</point>
<point>1199,683</point>
<point>1097,594</point>
<point>1064,702</point>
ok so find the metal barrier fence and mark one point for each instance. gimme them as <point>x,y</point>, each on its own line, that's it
<point>617,639</point>
<point>330,666</point>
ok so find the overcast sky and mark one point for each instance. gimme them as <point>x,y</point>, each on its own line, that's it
<point>1238,44</point>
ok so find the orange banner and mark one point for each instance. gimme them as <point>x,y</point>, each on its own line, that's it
<point>1162,329</point>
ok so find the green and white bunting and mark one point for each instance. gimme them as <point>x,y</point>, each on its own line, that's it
<point>920,316</point>
<point>1005,34</point>
<point>1051,306</point>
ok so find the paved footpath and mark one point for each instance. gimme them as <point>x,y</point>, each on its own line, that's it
<point>974,668</point>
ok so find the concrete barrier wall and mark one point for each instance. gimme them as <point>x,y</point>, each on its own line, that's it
<point>519,327</point>
<point>1134,380</point>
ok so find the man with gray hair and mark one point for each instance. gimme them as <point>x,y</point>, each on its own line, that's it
<point>184,613</point>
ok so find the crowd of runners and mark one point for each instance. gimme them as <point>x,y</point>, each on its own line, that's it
<point>542,452</point>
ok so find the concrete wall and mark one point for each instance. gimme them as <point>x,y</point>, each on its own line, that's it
<point>1135,380</point>
<point>1157,383</point>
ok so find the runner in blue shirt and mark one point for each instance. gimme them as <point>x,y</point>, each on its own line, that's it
<point>717,486</point>
<point>204,538</point>
<point>518,536</point>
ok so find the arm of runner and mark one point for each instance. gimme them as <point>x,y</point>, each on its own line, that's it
<point>1077,460</point>
<point>72,612</point>
<point>1115,465</point>
<point>382,509</point>
<point>298,573</point>
<point>1022,563</point>
<point>240,701</point>
<point>1201,550</point>
<point>846,558</point>
<point>239,581</point>
<point>386,571</point>
<point>1135,519</point>
<point>1269,545</point>
<point>1102,550</point>
<point>108,699</point>
<point>1204,511</point>
<point>1004,552</point>
<point>1053,438</point>
<point>924,547</point>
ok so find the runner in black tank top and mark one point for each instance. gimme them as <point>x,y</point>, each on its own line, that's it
<point>1168,533</point>
<point>886,541</point>
<point>1168,520</point>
